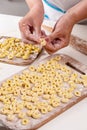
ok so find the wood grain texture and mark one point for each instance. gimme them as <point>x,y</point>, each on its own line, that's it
<point>78,44</point>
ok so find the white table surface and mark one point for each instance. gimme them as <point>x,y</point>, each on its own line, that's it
<point>76,117</point>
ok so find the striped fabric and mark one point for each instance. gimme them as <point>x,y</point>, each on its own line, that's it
<point>54,9</point>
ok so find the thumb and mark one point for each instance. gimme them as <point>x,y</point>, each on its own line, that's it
<point>53,36</point>
<point>38,32</point>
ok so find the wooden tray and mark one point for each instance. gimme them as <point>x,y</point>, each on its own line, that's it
<point>20,61</point>
<point>78,44</point>
<point>36,123</point>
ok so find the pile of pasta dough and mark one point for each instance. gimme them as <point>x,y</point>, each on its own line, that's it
<point>12,48</point>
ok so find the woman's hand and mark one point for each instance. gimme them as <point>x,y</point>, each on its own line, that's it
<point>30,25</point>
<point>59,38</point>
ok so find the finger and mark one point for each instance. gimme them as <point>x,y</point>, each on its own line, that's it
<point>50,47</point>
<point>27,31</point>
<point>48,51</point>
<point>55,45</point>
<point>28,41</point>
<point>24,29</point>
<point>56,24</point>
<point>43,34</point>
<point>34,34</point>
<point>54,35</point>
<point>37,30</point>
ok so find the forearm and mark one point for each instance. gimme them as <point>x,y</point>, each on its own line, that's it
<point>34,3</point>
<point>78,12</point>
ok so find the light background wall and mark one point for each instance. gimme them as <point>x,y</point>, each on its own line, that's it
<point>13,7</point>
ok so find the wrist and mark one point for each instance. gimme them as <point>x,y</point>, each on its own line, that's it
<point>39,8</point>
<point>78,12</point>
<point>71,18</point>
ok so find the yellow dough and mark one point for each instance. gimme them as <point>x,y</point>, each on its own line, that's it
<point>14,48</point>
<point>38,90</point>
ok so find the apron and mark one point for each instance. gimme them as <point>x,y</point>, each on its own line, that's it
<point>54,9</point>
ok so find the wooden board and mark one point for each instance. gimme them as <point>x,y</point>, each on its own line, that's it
<point>78,44</point>
<point>75,42</point>
<point>74,66</point>
<point>20,61</point>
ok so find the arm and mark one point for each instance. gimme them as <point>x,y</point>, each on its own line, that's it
<point>30,25</point>
<point>78,12</point>
<point>32,3</point>
<point>59,38</point>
